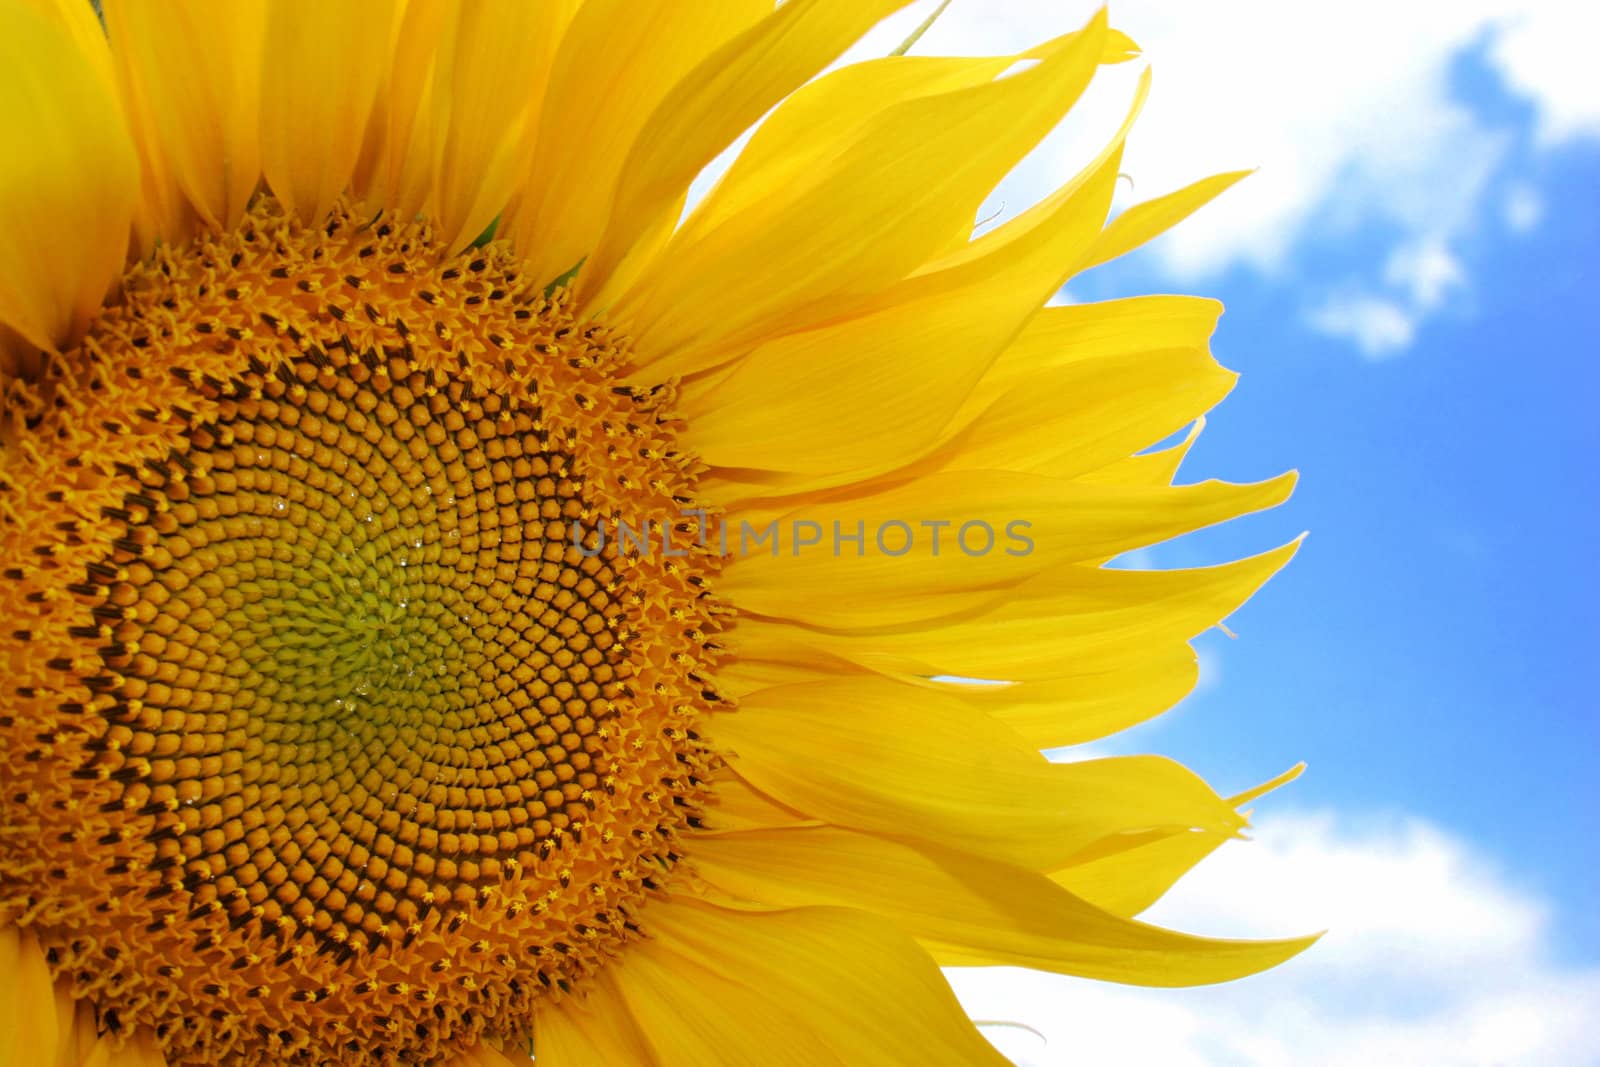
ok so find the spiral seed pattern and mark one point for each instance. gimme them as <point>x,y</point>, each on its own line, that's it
<point>341,749</point>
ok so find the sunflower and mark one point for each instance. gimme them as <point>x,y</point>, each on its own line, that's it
<point>458,605</point>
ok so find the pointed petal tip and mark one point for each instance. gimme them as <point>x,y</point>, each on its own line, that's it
<point>1238,800</point>
<point>1287,481</point>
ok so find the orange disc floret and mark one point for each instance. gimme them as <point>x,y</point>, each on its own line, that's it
<point>333,733</point>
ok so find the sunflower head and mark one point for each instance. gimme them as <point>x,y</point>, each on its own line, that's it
<point>390,676</point>
<point>346,699</point>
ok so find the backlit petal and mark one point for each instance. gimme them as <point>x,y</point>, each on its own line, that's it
<point>717,986</point>
<point>30,1031</point>
<point>903,188</point>
<point>594,1027</point>
<point>706,111</point>
<point>872,561</point>
<point>889,758</point>
<point>616,62</point>
<point>68,182</point>
<point>1148,220</point>
<point>492,73</point>
<point>317,92</point>
<point>972,911</point>
<point>191,76</point>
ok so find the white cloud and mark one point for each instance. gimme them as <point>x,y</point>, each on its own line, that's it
<point>1425,271</point>
<point>1551,60</point>
<point>1433,959</point>
<point>1384,320</point>
<point>1379,327</point>
<point>1348,112</point>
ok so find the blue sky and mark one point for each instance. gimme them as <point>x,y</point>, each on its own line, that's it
<point>1411,283</point>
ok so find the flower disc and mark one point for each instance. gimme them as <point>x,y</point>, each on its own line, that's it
<point>328,705</point>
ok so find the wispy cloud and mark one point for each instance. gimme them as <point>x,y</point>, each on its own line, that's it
<point>1433,957</point>
<point>1416,280</point>
<point>1379,326</point>
<point>1425,271</point>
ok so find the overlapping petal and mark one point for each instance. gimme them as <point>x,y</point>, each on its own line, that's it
<point>893,759</point>
<point>68,183</point>
<point>721,986</point>
<point>887,199</point>
<point>190,73</point>
<point>978,912</point>
<point>614,64</point>
<point>875,562</point>
<point>317,94</point>
<point>705,112</point>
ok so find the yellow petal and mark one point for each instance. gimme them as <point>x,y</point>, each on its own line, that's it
<point>617,61</point>
<point>695,1015</point>
<point>141,1050</point>
<point>811,127</point>
<point>1036,523</point>
<point>1094,651</point>
<point>1159,467</point>
<point>1148,220</point>
<point>838,114</point>
<point>68,1050</point>
<point>592,1028</point>
<point>397,157</point>
<point>970,910</point>
<point>874,391</point>
<point>766,656</point>
<point>1060,335</point>
<point>1092,701</point>
<point>83,27</point>
<point>77,1033</point>
<point>29,1028</point>
<point>890,758</point>
<point>1239,800</point>
<point>1038,222</point>
<point>1072,419</point>
<point>739,806</point>
<point>822,115</point>
<point>1086,702</point>
<point>1045,373</point>
<point>1125,880</point>
<point>488,97</point>
<point>484,1054</point>
<point>1119,47</point>
<point>191,74</point>
<point>68,182</point>
<point>162,214</point>
<point>807,987</point>
<point>706,111</point>
<point>1127,873</point>
<point>1066,617</point>
<point>325,64</point>
<point>906,187</point>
